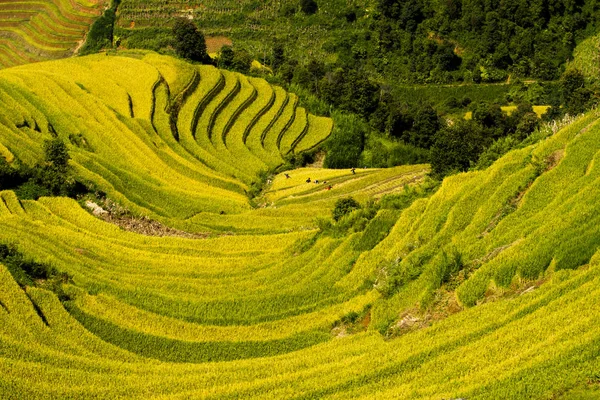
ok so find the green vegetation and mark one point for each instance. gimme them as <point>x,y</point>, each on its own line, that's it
<point>189,43</point>
<point>50,178</point>
<point>100,35</point>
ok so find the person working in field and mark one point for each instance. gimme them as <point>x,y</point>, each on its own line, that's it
<point>308,180</point>
<point>353,171</point>
<point>287,176</point>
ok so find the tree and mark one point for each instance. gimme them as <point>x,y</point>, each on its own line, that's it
<point>571,81</point>
<point>56,154</point>
<point>242,61</point>
<point>346,143</point>
<point>426,123</point>
<point>575,96</point>
<point>226,57</point>
<point>344,206</point>
<point>9,176</point>
<point>277,56</point>
<point>456,147</point>
<point>529,122</point>
<point>491,117</point>
<point>309,7</point>
<point>189,41</point>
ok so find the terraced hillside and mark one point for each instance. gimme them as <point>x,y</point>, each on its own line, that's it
<point>175,142</point>
<point>39,30</point>
<point>251,24</point>
<point>487,288</point>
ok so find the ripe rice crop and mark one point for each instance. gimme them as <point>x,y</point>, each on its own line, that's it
<point>485,288</point>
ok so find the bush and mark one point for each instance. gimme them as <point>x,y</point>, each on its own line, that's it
<point>189,41</point>
<point>9,176</point>
<point>343,207</point>
<point>346,143</point>
<point>50,178</point>
<point>24,271</point>
<point>456,147</point>
<point>56,154</point>
<point>309,7</point>
<point>100,35</point>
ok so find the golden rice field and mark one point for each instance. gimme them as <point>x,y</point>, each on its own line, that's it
<point>487,289</point>
<point>39,30</point>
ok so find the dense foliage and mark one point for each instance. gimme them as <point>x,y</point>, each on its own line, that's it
<point>100,35</point>
<point>49,178</point>
<point>481,41</point>
<point>189,42</point>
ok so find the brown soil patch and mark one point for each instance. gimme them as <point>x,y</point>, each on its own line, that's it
<point>148,227</point>
<point>319,159</point>
<point>215,43</point>
<point>554,159</point>
<point>113,214</point>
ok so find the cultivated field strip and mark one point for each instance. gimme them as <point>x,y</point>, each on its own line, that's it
<point>43,29</point>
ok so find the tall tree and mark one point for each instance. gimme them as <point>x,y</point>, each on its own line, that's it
<point>309,7</point>
<point>189,41</point>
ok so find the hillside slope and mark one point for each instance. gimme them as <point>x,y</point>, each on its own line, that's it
<point>487,288</point>
<point>172,141</point>
<point>33,31</point>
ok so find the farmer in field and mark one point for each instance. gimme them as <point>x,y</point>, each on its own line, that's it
<point>308,180</point>
<point>287,176</point>
<point>353,171</point>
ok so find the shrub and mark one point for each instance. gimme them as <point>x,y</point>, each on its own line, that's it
<point>343,207</point>
<point>309,7</point>
<point>56,154</point>
<point>189,41</point>
<point>23,270</point>
<point>100,35</point>
<point>9,176</point>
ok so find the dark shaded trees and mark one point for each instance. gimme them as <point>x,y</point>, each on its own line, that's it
<point>189,42</point>
<point>309,7</point>
<point>456,147</point>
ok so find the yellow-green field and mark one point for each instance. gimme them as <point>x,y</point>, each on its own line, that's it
<point>488,288</point>
<point>44,29</point>
<point>538,110</point>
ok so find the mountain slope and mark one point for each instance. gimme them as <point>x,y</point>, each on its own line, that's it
<point>487,288</point>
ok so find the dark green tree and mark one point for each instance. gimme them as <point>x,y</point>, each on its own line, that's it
<point>277,56</point>
<point>309,7</point>
<point>346,142</point>
<point>456,147</point>
<point>527,124</point>
<point>226,57</point>
<point>56,154</point>
<point>491,117</point>
<point>344,206</point>
<point>242,61</point>
<point>189,42</point>
<point>9,176</point>
<point>426,123</point>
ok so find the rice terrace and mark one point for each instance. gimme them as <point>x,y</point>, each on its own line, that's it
<point>299,199</point>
